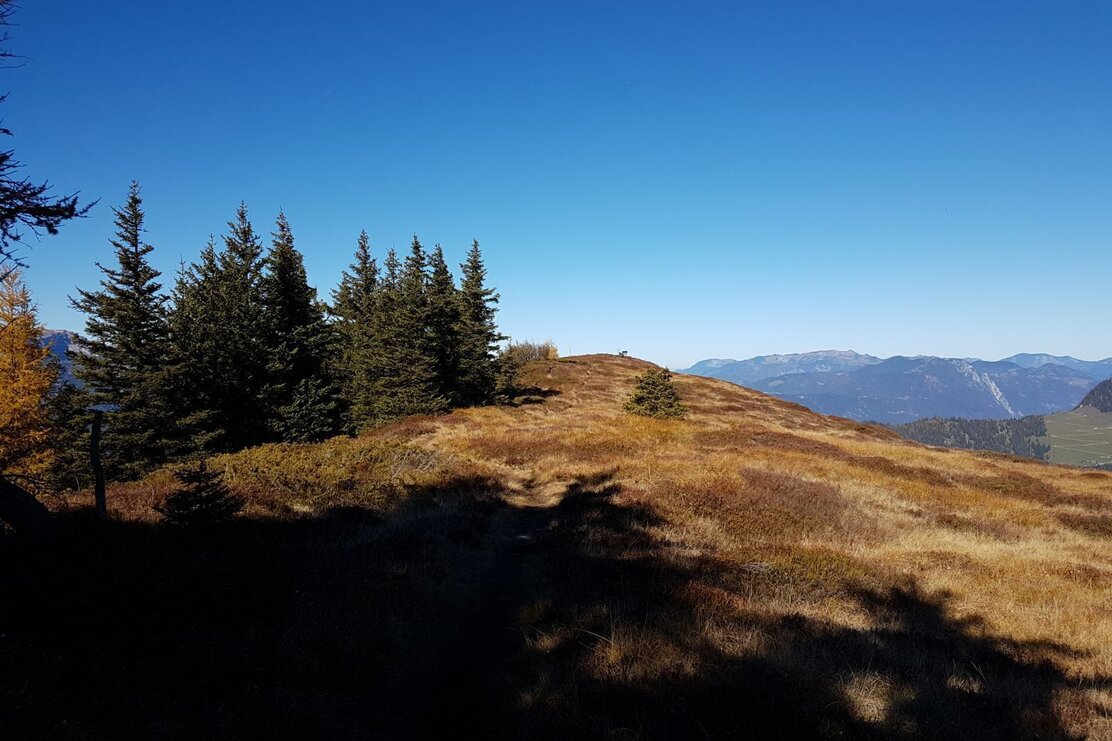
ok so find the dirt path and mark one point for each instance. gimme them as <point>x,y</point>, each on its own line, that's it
<point>475,679</point>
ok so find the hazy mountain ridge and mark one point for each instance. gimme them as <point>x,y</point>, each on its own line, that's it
<point>903,389</point>
<point>60,341</point>
<point>1098,369</point>
<point>761,367</point>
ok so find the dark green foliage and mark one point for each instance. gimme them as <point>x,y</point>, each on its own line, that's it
<point>1100,398</point>
<point>248,355</point>
<point>220,342</point>
<point>353,299</point>
<point>444,328</point>
<point>68,409</point>
<point>1019,437</point>
<point>193,343</point>
<point>655,395</point>
<point>402,360</point>
<point>124,351</point>
<point>202,500</point>
<point>414,343</point>
<point>353,307</point>
<point>478,335</point>
<point>301,391</point>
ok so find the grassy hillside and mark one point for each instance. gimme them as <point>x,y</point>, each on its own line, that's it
<point>560,569</point>
<point>1082,437</point>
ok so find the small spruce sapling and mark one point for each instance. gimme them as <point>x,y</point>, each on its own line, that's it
<point>201,500</point>
<point>655,396</point>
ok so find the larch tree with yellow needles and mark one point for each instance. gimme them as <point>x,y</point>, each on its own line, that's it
<point>27,374</point>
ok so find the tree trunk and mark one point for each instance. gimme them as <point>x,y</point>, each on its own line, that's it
<point>98,470</point>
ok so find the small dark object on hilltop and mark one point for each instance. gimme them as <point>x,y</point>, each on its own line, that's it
<point>655,396</point>
<point>202,500</point>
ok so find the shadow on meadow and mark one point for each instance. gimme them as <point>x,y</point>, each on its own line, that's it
<point>459,614</point>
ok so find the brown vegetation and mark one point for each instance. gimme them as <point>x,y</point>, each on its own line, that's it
<point>559,569</point>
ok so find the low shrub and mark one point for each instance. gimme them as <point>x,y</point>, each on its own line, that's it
<point>513,359</point>
<point>655,396</point>
<point>201,501</point>
<point>520,353</point>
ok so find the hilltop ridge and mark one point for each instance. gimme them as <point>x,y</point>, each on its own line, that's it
<point>1100,398</point>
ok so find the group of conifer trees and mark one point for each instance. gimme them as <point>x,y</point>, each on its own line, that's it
<point>242,351</point>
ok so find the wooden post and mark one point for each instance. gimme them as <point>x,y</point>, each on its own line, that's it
<point>98,470</point>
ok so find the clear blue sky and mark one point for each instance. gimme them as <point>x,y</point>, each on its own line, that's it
<point>680,180</point>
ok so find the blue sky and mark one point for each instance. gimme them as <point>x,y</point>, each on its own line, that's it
<point>680,180</point>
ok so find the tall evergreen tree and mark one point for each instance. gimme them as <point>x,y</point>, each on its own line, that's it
<point>27,373</point>
<point>123,352</point>
<point>194,342</point>
<point>353,305</point>
<point>403,364</point>
<point>352,301</point>
<point>478,334</point>
<point>301,391</point>
<point>444,314</point>
<point>69,416</point>
<point>220,343</point>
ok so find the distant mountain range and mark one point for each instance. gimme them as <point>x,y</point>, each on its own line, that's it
<point>1099,369</point>
<point>59,341</point>
<point>903,389</point>
<point>746,372</point>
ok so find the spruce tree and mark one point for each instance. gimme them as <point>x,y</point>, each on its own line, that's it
<point>221,343</point>
<point>202,500</point>
<point>193,345</point>
<point>403,364</point>
<point>444,315</point>
<point>478,335</point>
<point>70,418</point>
<point>352,300</point>
<point>27,373</point>
<point>301,392</point>
<point>655,395</point>
<point>123,352</point>
<point>353,305</point>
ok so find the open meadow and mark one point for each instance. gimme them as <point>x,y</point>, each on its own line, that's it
<point>1082,437</point>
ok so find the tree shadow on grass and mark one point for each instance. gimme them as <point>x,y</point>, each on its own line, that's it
<point>456,614</point>
<point>615,645</point>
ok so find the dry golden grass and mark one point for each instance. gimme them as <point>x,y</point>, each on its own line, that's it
<point>560,569</point>
<point>819,508</point>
